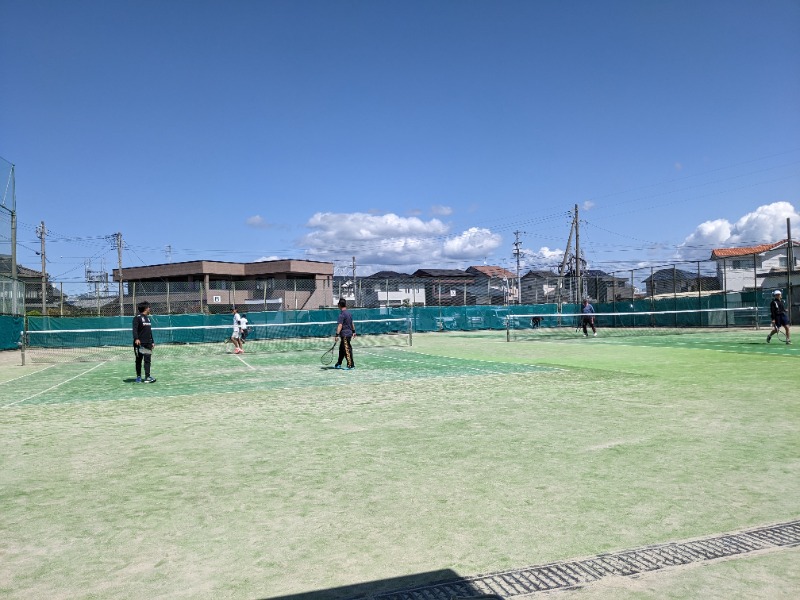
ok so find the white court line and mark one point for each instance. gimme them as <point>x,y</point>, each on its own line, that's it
<point>245,362</point>
<point>28,374</point>
<point>54,386</point>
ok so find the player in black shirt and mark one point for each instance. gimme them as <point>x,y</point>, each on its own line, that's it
<point>777,310</point>
<point>143,342</point>
<point>345,330</point>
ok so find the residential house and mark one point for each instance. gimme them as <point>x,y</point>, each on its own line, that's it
<point>539,287</point>
<point>32,281</point>
<point>493,285</point>
<point>756,267</point>
<point>676,281</point>
<point>390,288</point>
<point>603,287</point>
<point>446,287</point>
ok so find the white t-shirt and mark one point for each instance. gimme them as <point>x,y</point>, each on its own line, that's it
<point>243,323</point>
<point>236,321</point>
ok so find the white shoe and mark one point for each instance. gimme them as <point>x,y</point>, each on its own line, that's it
<point>594,334</point>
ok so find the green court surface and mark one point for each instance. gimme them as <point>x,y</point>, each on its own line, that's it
<point>267,475</point>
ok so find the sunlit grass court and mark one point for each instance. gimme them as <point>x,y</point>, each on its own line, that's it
<point>267,475</point>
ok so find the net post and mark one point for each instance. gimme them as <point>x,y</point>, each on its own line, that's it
<point>508,328</point>
<point>410,332</point>
<point>21,344</point>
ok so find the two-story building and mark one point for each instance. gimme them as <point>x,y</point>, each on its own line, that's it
<point>493,285</point>
<point>32,282</point>
<point>215,286</point>
<point>446,287</point>
<point>390,288</point>
<point>671,281</point>
<point>756,267</point>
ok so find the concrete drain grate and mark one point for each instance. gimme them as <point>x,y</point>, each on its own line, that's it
<point>571,574</point>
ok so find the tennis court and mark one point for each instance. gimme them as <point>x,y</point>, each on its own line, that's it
<point>267,475</point>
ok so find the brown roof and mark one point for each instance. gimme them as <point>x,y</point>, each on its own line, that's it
<point>730,252</point>
<point>491,271</point>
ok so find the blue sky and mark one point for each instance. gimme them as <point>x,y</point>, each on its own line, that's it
<point>408,134</point>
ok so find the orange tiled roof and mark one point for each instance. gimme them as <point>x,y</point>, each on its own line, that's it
<point>730,252</point>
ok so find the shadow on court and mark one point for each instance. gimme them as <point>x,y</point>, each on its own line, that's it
<point>395,588</point>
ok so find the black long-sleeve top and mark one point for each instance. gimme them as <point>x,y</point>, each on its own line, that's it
<point>142,330</point>
<point>777,308</point>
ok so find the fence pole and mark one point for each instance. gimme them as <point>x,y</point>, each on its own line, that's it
<point>614,296</point>
<point>675,292</point>
<point>169,307</point>
<point>699,292</point>
<point>633,299</point>
<point>61,303</point>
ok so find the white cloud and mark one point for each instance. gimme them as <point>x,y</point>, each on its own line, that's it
<point>441,211</point>
<point>588,205</point>
<point>266,258</point>
<point>473,243</point>
<point>257,221</point>
<point>543,258</point>
<point>547,254</point>
<point>384,240</point>
<point>764,225</point>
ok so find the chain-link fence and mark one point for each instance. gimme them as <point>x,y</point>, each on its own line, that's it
<point>12,296</point>
<point>683,283</point>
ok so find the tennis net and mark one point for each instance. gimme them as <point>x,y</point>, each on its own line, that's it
<point>625,324</point>
<point>64,345</point>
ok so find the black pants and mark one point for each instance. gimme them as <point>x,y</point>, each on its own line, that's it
<point>345,351</point>
<point>590,322</point>
<point>142,358</point>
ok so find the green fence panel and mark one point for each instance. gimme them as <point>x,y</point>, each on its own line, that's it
<point>10,329</point>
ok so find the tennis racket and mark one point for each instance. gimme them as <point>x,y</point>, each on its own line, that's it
<point>327,358</point>
<point>781,335</point>
<point>143,351</point>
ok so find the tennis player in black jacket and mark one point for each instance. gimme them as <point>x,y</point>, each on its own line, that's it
<point>143,342</point>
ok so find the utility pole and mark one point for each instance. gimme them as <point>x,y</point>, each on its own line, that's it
<point>118,238</point>
<point>516,253</point>
<point>564,260</point>
<point>41,232</point>
<point>579,295</point>
<point>168,253</point>
<point>789,265</point>
<point>355,296</point>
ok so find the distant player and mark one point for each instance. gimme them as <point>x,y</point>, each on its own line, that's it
<point>777,311</point>
<point>345,330</point>
<point>143,342</point>
<point>243,329</point>
<point>236,335</point>
<point>588,318</point>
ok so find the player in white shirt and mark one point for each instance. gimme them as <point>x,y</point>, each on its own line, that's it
<point>236,335</point>
<point>243,329</point>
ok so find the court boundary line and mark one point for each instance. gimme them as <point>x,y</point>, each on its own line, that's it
<point>28,374</point>
<point>54,386</point>
<point>248,365</point>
